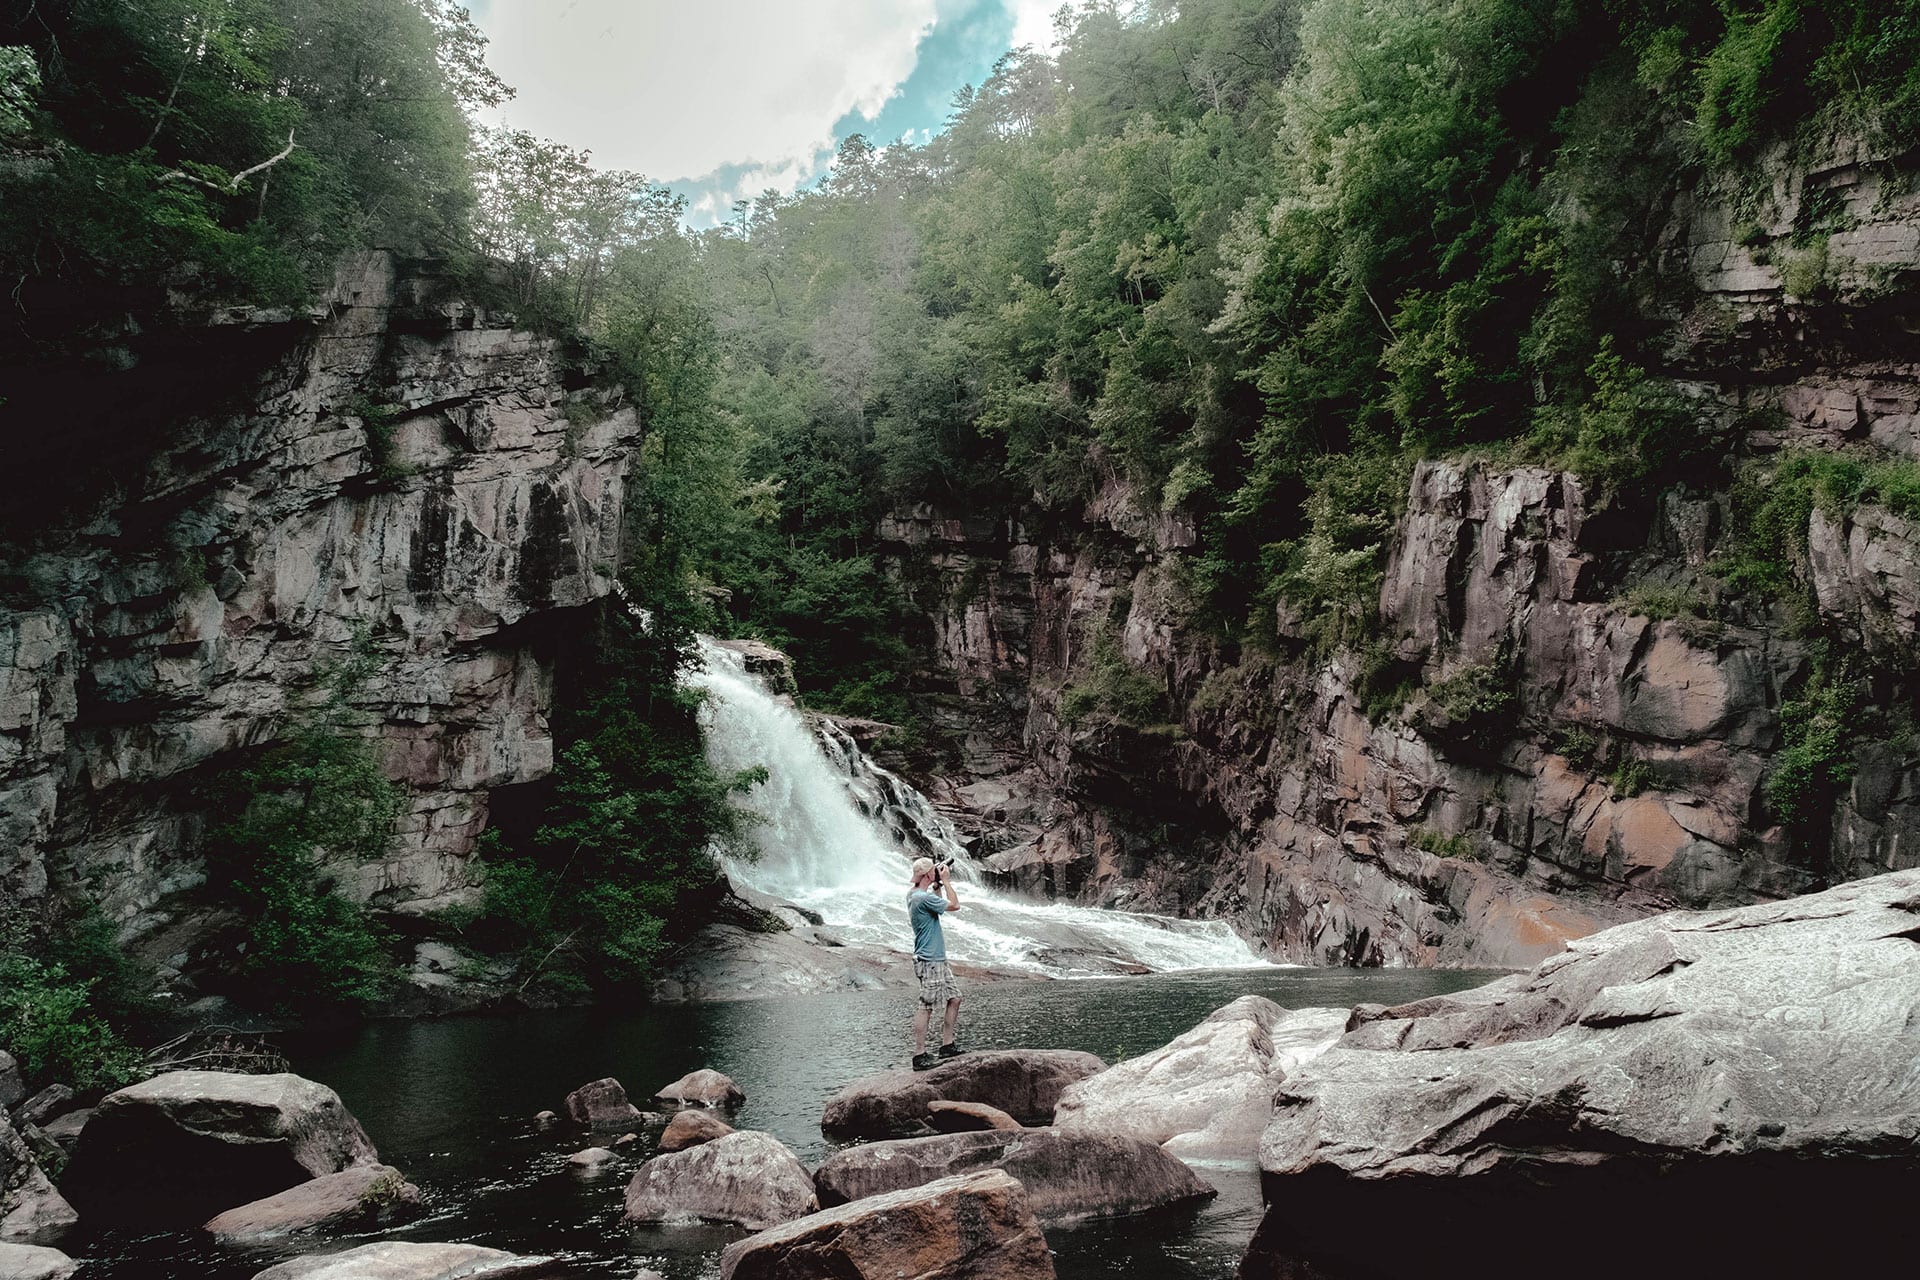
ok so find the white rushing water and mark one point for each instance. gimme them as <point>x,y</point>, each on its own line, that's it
<point>837,834</point>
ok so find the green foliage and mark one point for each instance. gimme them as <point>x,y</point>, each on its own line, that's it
<point>1112,689</point>
<point>1580,745</point>
<point>1473,708</point>
<point>1630,777</point>
<point>1819,731</point>
<point>317,797</point>
<point>619,867</point>
<point>1631,430</point>
<point>1461,845</point>
<point>1773,505</point>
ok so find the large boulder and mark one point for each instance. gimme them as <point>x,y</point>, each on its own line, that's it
<point>1024,1083</point>
<point>408,1260</point>
<point>691,1128</point>
<point>602,1104</point>
<point>33,1262</point>
<point>369,1195</point>
<point>1208,1094</point>
<point>703,1088</point>
<point>977,1227</point>
<point>749,1178</point>
<point>1068,1176</point>
<point>179,1148</point>
<point>31,1210</point>
<point>12,1087</point>
<point>1754,1066</point>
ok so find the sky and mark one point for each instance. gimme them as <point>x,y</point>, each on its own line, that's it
<point>721,99</point>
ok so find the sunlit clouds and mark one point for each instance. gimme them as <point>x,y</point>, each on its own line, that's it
<point>727,98</point>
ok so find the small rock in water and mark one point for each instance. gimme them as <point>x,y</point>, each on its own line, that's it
<point>749,1178</point>
<point>625,1138</point>
<point>704,1088</point>
<point>591,1158</point>
<point>691,1128</point>
<point>547,1117</point>
<point>1024,1083</point>
<point>601,1104</point>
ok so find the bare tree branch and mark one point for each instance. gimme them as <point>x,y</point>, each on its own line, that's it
<point>232,185</point>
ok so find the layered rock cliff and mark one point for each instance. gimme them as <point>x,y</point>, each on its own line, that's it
<point>398,475</point>
<point>1538,745</point>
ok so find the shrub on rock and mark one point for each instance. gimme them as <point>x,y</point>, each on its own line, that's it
<point>749,1178</point>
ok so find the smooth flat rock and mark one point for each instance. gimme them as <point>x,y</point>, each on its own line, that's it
<point>370,1195</point>
<point>64,1130</point>
<point>967,1117</point>
<point>1068,1176</point>
<point>32,1210</point>
<point>1024,1083</point>
<point>1208,1094</point>
<point>976,1227</point>
<point>703,1088</point>
<point>749,1178</point>
<point>34,1262</point>
<point>407,1260</point>
<point>691,1128</point>
<point>1753,1065</point>
<point>179,1148</point>
<point>602,1104</point>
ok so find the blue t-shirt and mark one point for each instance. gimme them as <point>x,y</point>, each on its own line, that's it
<point>924,908</point>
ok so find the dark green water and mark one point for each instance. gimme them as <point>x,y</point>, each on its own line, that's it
<point>452,1104</point>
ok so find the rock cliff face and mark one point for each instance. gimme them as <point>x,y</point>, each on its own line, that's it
<point>1556,755</point>
<point>407,478</point>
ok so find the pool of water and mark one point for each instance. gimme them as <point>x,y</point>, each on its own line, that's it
<point>452,1103</point>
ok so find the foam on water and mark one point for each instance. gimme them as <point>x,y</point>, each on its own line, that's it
<point>837,834</point>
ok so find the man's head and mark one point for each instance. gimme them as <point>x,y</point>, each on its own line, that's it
<point>922,872</point>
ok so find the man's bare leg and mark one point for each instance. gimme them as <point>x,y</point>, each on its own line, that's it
<point>951,1026</point>
<point>922,1014</point>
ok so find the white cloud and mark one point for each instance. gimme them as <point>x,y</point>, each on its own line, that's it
<point>678,88</point>
<point>1033,22</point>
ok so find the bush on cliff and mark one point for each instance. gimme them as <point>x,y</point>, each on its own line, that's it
<point>62,1021</point>
<point>317,797</point>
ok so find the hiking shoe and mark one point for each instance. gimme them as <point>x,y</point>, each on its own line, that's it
<point>951,1050</point>
<point>924,1061</point>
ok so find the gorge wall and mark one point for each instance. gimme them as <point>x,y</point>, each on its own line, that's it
<point>1555,745</point>
<point>396,474</point>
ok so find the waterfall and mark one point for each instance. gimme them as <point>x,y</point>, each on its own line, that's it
<point>836,834</point>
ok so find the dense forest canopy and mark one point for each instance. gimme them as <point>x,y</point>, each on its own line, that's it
<point>1250,257</point>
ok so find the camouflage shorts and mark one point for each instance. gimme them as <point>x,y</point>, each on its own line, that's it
<point>937,984</point>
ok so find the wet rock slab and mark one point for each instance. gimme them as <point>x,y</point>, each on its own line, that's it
<point>1024,1083</point>
<point>1067,1176</point>
<point>976,1227</point>
<point>407,1260</point>
<point>365,1196</point>
<point>1209,1093</point>
<point>183,1146</point>
<point>749,1178</point>
<point>1754,1066</point>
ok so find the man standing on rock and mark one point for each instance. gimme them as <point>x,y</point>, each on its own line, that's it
<point>924,909</point>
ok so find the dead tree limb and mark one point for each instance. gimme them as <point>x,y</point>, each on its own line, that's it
<point>232,185</point>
